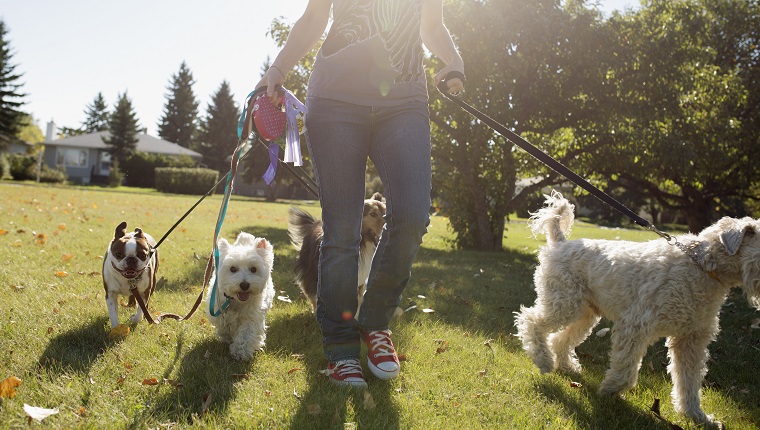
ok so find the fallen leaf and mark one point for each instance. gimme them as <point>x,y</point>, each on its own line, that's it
<point>41,238</point>
<point>603,332</point>
<point>296,369</point>
<point>297,356</point>
<point>483,372</point>
<point>82,411</point>
<point>150,381</point>
<point>121,380</point>
<point>50,330</point>
<point>37,413</point>
<point>575,384</point>
<point>62,227</point>
<point>206,403</point>
<point>369,402</point>
<point>2,232</point>
<point>67,257</point>
<point>295,393</point>
<point>314,409</point>
<point>428,311</point>
<point>402,357</point>
<point>8,387</point>
<point>128,365</point>
<point>173,383</point>
<point>267,393</point>
<point>17,288</point>
<point>120,330</point>
<point>61,274</point>
<point>207,355</point>
<point>285,299</point>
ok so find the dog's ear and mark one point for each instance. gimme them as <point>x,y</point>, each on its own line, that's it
<point>265,250</point>
<point>379,197</point>
<point>223,245</point>
<point>121,230</point>
<point>245,239</point>
<point>138,232</point>
<point>733,232</point>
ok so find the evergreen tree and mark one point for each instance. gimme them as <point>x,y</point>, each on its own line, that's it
<point>11,119</point>
<point>179,121</point>
<point>124,127</point>
<point>97,115</point>
<point>218,131</point>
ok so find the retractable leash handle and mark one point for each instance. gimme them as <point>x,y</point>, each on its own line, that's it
<point>545,158</point>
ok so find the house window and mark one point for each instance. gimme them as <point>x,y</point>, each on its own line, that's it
<point>71,157</point>
<point>105,161</point>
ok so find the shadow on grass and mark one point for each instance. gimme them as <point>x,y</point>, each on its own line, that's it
<point>336,405</point>
<point>604,412</point>
<point>76,350</point>
<point>205,368</point>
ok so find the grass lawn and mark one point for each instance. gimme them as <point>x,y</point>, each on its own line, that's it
<point>463,367</point>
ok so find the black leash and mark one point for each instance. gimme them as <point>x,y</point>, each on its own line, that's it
<point>540,155</point>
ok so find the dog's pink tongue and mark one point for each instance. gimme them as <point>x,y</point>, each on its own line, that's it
<point>243,296</point>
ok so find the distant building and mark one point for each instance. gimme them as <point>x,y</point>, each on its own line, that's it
<point>87,160</point>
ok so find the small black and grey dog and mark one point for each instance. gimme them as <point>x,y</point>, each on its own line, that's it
<point>306,235</point>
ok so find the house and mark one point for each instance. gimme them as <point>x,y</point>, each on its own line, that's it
<point>86,159</point>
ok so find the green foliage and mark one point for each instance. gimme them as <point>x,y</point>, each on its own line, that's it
<point>11,99</point>
<point>5,167</point>
<point>20,163</point>
<point>123,127</point>
<point>182,180</point>
<point>47,174</point>
<point>179,121</point>
<point>30,131</point>
<point>139,167</point>
<point>218,130</point>
<point>97,116</point>
<point>115,175</point>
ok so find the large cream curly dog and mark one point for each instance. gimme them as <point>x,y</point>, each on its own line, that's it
<point>649,290</point>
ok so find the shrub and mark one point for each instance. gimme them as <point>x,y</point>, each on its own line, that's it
<point>115,175</point>
<point>183,180</point>
<point>139,167</point>
<point>47,174</point>
<point>20,166</point>
<point>5,167</point>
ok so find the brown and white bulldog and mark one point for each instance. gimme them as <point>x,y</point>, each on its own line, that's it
<point>128,264</point>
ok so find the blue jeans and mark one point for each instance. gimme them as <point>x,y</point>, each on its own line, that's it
<point>397,140</point>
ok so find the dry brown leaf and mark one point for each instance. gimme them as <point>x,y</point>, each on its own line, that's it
<point>483,372</point>
<point>120,330</point>
<point>267,393</point>
<point>128,365</point>
<point>61,274</point>
<point>206,403</point>
<point>295,369</point>
<point>2,232</point>
<point>17,288</point>
<point>38,413</point>
<point>173,383</point>
<point>8,387</point>
<point>67,257</point>
<point>82,412</point>
<point>62,227</point>
<point>40,238</point>
<point>402,357</point>
<point>575,384</point>
<point>50,330</point>
<point>121,380</point>
<point>150,381</point>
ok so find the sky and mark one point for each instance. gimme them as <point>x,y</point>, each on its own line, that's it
<point>69,51</point>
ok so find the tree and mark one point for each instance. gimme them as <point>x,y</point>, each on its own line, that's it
<point>218,130</point>
<point>530,74</point>
<point>683,107</point>
<point>97,115</point>
<point>11,118</point>
<point>179,120</point>
<point>123,127</point>
<point>30,131</point>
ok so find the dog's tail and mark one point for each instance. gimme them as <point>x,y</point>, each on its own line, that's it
<point>300,225</point>
<point>554,220</point>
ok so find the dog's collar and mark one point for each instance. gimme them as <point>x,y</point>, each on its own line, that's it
<point>693,250</point>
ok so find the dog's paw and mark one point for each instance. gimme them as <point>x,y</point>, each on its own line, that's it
<point>241,352</point>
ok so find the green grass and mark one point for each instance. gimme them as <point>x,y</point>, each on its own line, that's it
<point>463,368</point>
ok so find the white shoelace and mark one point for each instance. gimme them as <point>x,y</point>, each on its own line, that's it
<point>381,343</point>
<point>347,367</point>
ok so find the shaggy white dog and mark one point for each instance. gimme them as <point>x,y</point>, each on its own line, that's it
<point>245,279</point>
<point>649,290</point>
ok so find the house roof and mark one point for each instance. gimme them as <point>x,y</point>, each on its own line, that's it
<point>145,143</point>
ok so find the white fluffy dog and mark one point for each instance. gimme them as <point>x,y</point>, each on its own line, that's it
<point>649,290</point>
<point>244,275</point>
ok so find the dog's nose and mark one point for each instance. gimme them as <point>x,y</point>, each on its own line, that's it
<point>131,262</point>
<point>244,286</point>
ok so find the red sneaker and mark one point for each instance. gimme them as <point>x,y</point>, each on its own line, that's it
<point>346,372</point>
<point>381,356</point>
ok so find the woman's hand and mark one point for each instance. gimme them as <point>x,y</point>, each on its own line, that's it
<point>455,85</point>
<point>273,79</point>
